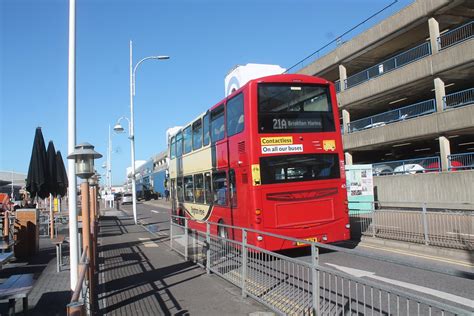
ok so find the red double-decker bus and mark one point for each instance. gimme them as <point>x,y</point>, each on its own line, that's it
<point>268,157</point>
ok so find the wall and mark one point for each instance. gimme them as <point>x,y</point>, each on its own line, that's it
<point>445,189</point>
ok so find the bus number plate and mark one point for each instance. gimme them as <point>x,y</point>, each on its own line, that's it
<point>314,239</point>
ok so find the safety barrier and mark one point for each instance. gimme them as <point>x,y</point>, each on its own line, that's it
<point>80,300</point>
<point>403,113</point>
<point>395,62</point>
<point>407,166</point>
<point>458,99</point>
<point>291,286</point>
<point>461,161</point>
<point>458,35</point>
<point>445,228</point>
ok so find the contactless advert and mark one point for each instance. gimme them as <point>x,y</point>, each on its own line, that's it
<point>285,144</point>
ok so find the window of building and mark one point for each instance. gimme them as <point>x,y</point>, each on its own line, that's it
<point>199,188</point>
<point>235,115</point>
<point>219,185</point>
<point>188,189</point>
<point>208,188</point>
<point>217,124</point>
<point>179,189</point>
<point>197,134</point>
<point>188,140</point>
<point>206,127</point>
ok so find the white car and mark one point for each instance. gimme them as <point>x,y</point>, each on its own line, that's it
<point>127,198</point>
<point>410,168</point>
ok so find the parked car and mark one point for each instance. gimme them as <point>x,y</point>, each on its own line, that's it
<point>409,168</point>
<point>380,170</point>
<point>434,166</point>
<point>127,198</point>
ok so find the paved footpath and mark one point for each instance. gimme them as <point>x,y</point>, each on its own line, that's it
<point>141,275</point>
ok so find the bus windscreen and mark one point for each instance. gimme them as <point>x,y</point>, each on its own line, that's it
<point>304,108</point>
<point>306,167</point>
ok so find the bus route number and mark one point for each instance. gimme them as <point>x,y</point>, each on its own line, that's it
<point>279,124</point>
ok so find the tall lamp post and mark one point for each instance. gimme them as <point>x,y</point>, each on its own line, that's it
<point>131,122</point>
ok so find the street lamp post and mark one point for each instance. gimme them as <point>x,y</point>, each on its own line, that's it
<point>132,132</point>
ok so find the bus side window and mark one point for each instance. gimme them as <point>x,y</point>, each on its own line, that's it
<point>217,124</point>
<point>173,148</point>
<point>207,188</point>
<point>179,189</point>
<point>179,144</point>
<point>188,140</point>
<point>197,134</point>
<point>199,188</point>
<point>219,185</point>
<point>235,115</point>
<point>233,188</point>
<point>188,189</point>
<point>206,128</point>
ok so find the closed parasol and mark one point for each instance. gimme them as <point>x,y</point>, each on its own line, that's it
<point>37,179</point>
<point>61,175</point>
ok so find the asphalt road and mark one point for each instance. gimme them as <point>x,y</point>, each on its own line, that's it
<point>457,289</point>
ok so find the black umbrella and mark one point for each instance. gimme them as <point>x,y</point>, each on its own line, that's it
<point>36,181</point>
<point>61,175</point>
<point>52,178</point>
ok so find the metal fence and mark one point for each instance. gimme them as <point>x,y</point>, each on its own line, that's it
<point>395,62</point>
<point>403,113</point>
<point>461,161</point>
<point>61,223</point>
<point>450,229</point>
<point>458,35</point>
<point>458,99</point>
<point>291,286</point>
<point>407,166</point>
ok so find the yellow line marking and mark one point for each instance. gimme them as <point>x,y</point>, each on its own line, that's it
<point>461,263</point>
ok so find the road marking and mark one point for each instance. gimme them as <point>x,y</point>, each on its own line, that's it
<point>147,243</point>
<point>454,233</point>
<point>362,273</point>
<point>461,263</point>
<point>153,211</point>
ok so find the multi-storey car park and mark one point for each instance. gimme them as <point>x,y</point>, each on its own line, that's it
<point>406,95</point>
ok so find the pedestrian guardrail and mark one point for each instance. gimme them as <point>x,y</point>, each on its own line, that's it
<point>292,286</point>
<point>403,113</point>
<point>443,228</point>
<point>458,99</point>
<point>461,161</point>
<point>80,300</point>
<point>407,166</point>
<point>388,65</point>
<point>456,36</point>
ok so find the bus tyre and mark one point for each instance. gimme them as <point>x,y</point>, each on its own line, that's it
<point>222,234</point>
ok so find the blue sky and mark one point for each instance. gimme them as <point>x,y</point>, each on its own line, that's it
<point>205,39</point>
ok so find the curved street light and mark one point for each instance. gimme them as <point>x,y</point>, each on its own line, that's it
<point>131,122</point>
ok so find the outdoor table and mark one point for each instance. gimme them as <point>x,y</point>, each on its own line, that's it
<point>58,242</point>
<point>5,257</point>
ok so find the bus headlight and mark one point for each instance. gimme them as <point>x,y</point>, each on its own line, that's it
<point>348,226</point>
<point>259,238</point>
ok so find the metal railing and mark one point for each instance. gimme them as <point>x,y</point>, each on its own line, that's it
<point>403,113</point>
<point>80,300</point>
<point>395,62</point>
<point>407,166</point>
<point>292,286</point>
<point>456,36</point>
<point>457,99</point>
<point>461,161</point>
<point>337,85</point>
<point>443,228</point>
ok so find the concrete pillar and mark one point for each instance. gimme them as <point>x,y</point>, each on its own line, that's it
<point>440,93</point>
<point>346,119</point>
<point>444,152</point>
<point>434,34</point>
<point>342,77</point>
<point>348,158</point>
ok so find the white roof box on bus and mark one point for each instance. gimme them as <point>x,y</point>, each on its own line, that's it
<point>171,132</point>
<point>241,74</point>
